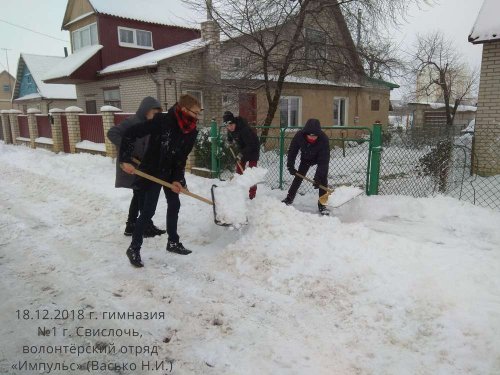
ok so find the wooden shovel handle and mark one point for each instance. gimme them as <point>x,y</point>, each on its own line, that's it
<point>313,182</point>
<point>169,185</point>
<point>235,158</point>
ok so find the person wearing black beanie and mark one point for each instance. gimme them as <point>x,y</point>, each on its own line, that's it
<point>239,132</point>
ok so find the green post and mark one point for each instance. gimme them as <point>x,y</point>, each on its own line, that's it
<point>214,137</point>
<point>282,152</point>
<point>375,150</point>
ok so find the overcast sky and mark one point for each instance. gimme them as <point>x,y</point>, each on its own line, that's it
<point>454,17</point>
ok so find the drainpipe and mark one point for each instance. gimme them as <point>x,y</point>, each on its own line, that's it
<point>171,80</point>
<point>157,83</point>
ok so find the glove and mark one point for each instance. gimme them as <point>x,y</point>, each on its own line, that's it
<point>292,171</point>
<point>316,185</point>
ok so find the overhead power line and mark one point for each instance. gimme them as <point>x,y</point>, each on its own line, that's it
<point>33,31</point>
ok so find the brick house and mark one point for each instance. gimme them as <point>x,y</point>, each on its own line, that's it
<point>187,60</point>
<point>6,84</point>
<point>486,31</point>
<point>31,92</point>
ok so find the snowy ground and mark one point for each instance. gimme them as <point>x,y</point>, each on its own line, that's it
<point>387,285</point>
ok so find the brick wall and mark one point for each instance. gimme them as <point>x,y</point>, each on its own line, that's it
<point>487,129</point>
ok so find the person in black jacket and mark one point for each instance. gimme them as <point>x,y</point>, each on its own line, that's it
<point>147,109</point>
<point>239,131</point>
<point>171,138</point>
<point>314,149</point>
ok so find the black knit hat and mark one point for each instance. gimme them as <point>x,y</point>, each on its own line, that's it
<point>228,117</point>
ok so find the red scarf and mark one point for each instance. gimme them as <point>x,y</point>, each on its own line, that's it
<point>311,140</point>
<point>186,123</point>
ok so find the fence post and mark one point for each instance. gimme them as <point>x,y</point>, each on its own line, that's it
<point>55,124</point>
<point>282,152</point>
<point>108,121</point>
<point>73,127</point>
<point>375,149</point>
<point>214,138</point>
<point>7,138</point>
<point>14,124</point>
<point>32,125</point>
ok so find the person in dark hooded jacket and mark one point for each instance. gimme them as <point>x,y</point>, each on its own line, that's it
<point>239,131</point>
<point>314,149</point>
<point>171,138</point>
<point>147,109</point>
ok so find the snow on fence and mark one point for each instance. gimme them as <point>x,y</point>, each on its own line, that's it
<point>43,126</point>
<point>91,128</point>
<point>24,130</point>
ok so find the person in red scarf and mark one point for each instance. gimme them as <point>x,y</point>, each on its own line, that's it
<point>172,137</point>
<point>314,149</point>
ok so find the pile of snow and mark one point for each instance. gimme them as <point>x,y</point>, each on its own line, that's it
<point>231,200</point>
<point>387,285</point>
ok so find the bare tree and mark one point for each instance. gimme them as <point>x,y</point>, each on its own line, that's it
<point>441,71</point>
<point>288,38</point>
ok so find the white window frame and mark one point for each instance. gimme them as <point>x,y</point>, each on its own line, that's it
<point>79,31</point>
<point>346,110</point>
<point>299,117</point>
<point>134,44</point>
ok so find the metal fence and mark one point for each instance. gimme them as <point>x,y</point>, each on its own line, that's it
<point>43,126</point>
<point>351,155</point>
<point>91,128</point>
<point>431,160</point>
<point>24,130</point>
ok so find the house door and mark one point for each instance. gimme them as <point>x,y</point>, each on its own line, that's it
<point>248,107</point>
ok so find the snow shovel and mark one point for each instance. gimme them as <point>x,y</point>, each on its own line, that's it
<point>324,198</point>
<point>183,191</point>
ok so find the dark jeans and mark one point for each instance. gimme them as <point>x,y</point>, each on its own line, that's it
<point>303,168</point>
<point>133,211</point>
<point>251,164</point>
<point>148,199</point>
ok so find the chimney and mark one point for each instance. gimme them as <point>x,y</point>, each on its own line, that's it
<point>209,30</point>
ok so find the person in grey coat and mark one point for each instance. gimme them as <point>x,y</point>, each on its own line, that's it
<point>147,109</point>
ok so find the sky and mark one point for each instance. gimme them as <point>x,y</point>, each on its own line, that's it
<point>454,17</point>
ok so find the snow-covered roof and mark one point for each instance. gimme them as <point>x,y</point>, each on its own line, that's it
<point>152,58</point>
<point>70,64</point>
<point>163,12</point>
<point>289,79</point>
<point>487,26</point>
<point>38,66</point>
<point>29,97</point>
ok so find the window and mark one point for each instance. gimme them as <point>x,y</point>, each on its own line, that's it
<point>112,97</point>
<point>86,36</point>
<point>339,111</point>
<point>315,45</point>
<point>290,111</point>
<point>91,106</point>
<point>135,38</point>
<point>6,88</point>
<point>375,105</point>
<point>236,62</point>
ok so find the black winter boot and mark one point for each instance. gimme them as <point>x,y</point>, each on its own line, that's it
<point>157,230</point>
<point>178,248</point>
<point>323,210</point>
<point>129,228</point>
<point>288,201</point>
<point>134,255</point>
